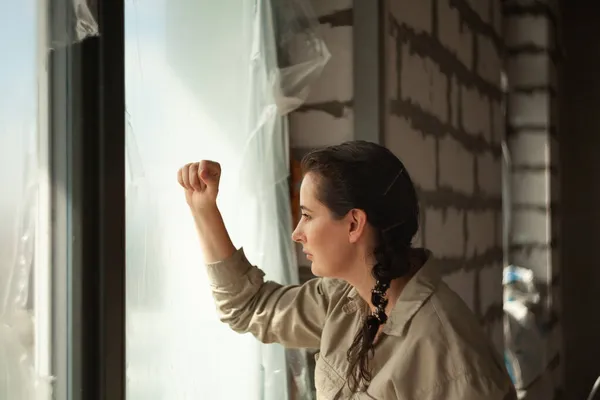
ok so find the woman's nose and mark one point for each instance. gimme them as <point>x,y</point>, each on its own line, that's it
<point>296,235</point>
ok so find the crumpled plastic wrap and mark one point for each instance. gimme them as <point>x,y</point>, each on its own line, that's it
<point>75,24</point>
<point>192,97</point>
<point>85,16</point>
<point>523,332</point>
<point>19,379</point>
<point>301,54</point>
<point>289,57</point>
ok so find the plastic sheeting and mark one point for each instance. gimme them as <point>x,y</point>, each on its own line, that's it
<point>523,331</point>
<point>191,97</point>
<point>20,130</point>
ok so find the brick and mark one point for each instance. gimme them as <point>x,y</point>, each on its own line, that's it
<point>490,284</point>
<point>500,229</point>
<point>482,8</point>
<point>498,21</point>
<point>529,226</point>
<point>496,335</point>
<point>489,174</point>
<point>538,259</point>
<point>335,82</point>
<point>529,70</point>
<point>529,149</point>
<point>475,113</point>
<point>438,93</point>
<point>316,128</point>
<point>529,109</point>
<point>489,62</point>
<point>498,116</point>
<point>391,68</point>
<point>322,8</point>
<point>456,166</point>
<point>530,187</point>
<point>422,82</point>
<point>454,101</point>
<point>416,150</point>
<point>454,37</point>
<point>417,15</point>
<point>524,30</point>
<point>463,283</point>
<point>554,183</point>
<point>481,232</point>
<point>414,79</point>
<point>444,232</point>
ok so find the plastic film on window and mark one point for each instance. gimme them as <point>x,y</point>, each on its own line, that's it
<point>300,51</point>
<point>211,80</point>
<point>288,56</point>
<point>74,23</point>
<point>18,377</point>
<point>85,16</point>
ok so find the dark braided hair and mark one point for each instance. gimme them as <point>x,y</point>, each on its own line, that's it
<point>367,176</point>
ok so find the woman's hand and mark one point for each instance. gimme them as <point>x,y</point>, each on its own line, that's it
<point>201,183</point>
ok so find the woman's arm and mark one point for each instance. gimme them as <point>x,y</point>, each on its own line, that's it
<point>290,315</point>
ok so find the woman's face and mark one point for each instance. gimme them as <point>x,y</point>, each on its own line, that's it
<point>329,243</point>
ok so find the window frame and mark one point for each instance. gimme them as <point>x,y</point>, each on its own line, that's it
<point>85,191</point>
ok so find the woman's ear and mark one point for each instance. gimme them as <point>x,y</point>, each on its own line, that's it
<point>357,224</point>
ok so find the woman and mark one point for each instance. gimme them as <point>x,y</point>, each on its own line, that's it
<point>386,325</point>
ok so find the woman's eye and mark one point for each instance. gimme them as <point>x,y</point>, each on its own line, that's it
<point>305,216</point>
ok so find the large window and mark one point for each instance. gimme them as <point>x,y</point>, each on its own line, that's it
<point>92,132</point>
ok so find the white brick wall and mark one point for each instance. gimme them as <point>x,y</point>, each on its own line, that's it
<point>454,101</point>
<point>416,17</point>
<point>480,232</point>
<point>422,82</point>
<point>415,149</point>
<point>530,148</point>
<point>457,150</point>
<point>463,282</point>
<point>488,277</point>
<point>475,112</point>
<point>530,188</point>
<point>311,129</point>
<point>534,184</point>
<point>525,30</point>
<point>456,166</point>
<point>460,41</point>
<point>530,227</point>
<point>529,70</point>
<point>489,63</point>
<point>444,232</point>
<point>529,109</point>
<point>489,174</point>
<point>498,122</point>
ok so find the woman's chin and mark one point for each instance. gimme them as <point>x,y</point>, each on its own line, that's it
<point>314,268</point>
